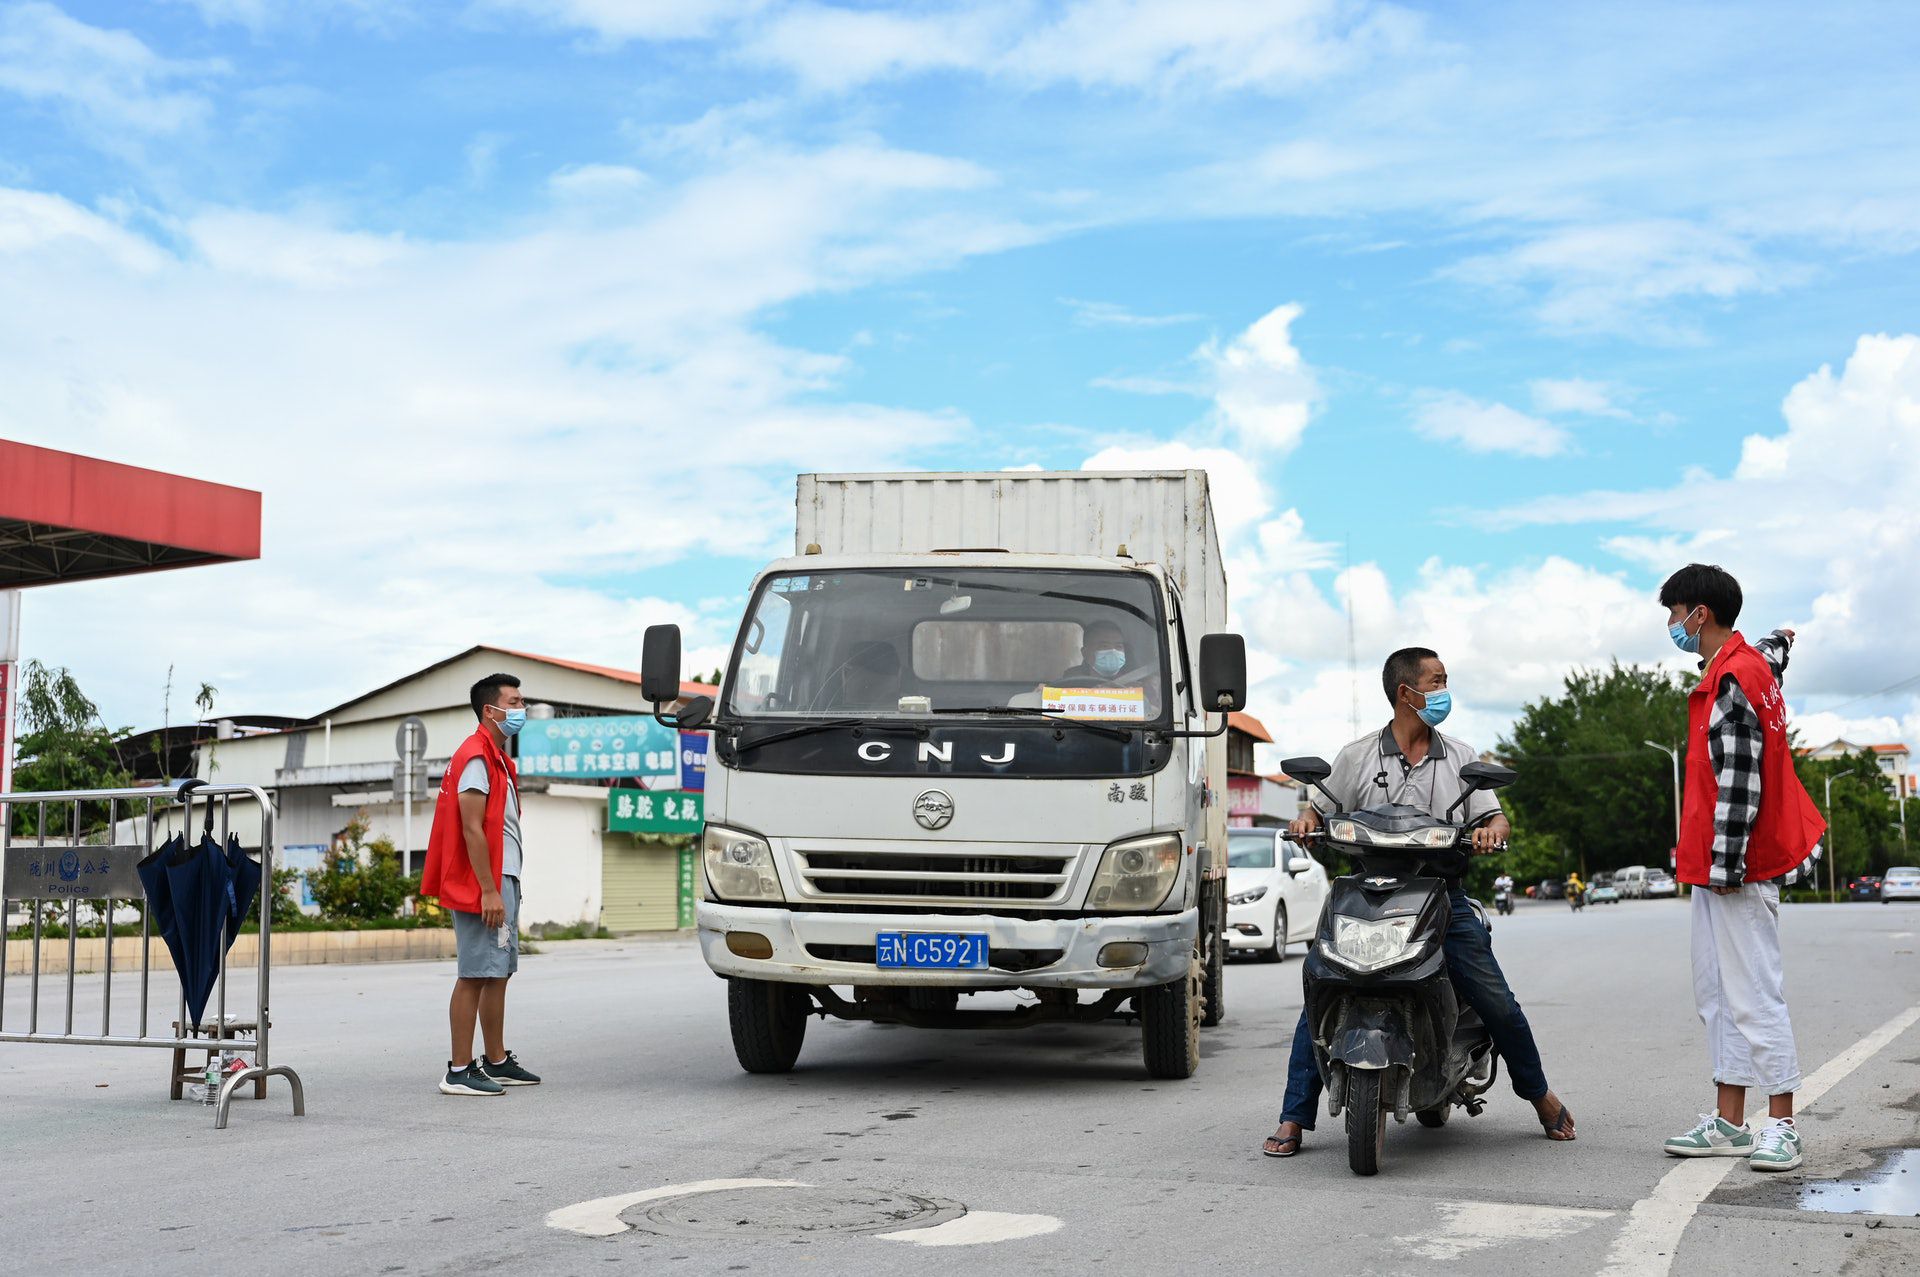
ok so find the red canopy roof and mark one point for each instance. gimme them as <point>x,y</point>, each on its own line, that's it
<point>68,518</point>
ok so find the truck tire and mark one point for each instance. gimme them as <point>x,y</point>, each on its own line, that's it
<point>1213,985</point>
<point>1170,1025</point>
<point>769,1022</point>
<point>1366,1125</point>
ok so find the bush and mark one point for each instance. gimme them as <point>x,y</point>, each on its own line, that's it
<point>361,879</point>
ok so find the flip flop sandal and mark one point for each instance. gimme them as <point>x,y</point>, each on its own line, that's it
<point>1562,1121</point>
<point>1280,1144</point>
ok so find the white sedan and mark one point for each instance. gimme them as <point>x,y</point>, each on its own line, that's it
<point>1274,893</point>
<point>1661,885</point>
<point>1902,883</point>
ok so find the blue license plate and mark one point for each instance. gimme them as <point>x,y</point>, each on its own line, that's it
<point>930,949</point>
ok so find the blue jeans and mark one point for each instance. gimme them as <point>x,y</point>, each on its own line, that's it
<point>1479,983</point>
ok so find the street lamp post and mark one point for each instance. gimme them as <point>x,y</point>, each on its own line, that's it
<point>1831,897</point>
<point>1674,754</point>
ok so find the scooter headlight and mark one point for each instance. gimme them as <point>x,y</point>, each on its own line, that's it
<point>1369,946</point>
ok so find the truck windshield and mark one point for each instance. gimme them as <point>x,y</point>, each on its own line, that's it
<point>881,643</point>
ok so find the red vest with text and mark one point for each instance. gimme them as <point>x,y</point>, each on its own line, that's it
<point>449,873</point>
<point>1789,824</point>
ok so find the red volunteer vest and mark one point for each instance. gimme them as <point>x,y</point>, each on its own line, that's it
<point>1789,824</point>
<point>448,874</point>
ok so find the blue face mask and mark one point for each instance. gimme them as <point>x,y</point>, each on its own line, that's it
<point>1439,705</point>
<point>515,719</point>
<point>1109,661</point>
<point>1689,643</point>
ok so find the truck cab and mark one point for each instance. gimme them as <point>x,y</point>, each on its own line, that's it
<point>942,773</point>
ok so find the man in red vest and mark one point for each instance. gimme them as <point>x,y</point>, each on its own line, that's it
<point>473,868</point>
<point>1747,827</point>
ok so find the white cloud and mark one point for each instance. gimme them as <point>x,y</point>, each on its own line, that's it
<point>1264,393</point>
<point>1451,417</point>
<point>618,21</point>
<point>1239,498</point>
<point>111,79</point>
<point>597,181</point>
<point>1577,395</point>
<point>1817,521</point>
<point>1097,314</point>
<point>478,439</point>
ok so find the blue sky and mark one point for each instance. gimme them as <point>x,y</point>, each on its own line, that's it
<point>1509,308</point>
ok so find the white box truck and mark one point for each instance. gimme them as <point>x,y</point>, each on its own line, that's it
<point>971,738</point>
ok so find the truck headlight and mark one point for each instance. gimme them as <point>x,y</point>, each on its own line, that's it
<point>1246,897</point>
<point>739,865</point>
<point>1136,874</point>
<point>1369,946</point>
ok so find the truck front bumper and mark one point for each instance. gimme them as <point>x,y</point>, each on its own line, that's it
<point>1037,953</point>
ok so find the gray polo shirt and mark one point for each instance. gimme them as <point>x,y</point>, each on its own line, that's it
<point>1373,771</point>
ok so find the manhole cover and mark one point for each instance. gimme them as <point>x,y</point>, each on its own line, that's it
<point>790,1212</point>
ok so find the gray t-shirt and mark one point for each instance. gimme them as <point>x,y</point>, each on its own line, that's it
<point>1372,771</point>
<point>475,778</point>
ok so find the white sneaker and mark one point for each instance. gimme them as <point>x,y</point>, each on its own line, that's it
<point>1777,1147</point>
<point>1713,1137</point>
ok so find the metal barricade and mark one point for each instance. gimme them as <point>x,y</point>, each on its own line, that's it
<point>95,858</point>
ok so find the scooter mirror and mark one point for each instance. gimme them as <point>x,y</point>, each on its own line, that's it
<point>1310,770</point>
<point>1480,775</point>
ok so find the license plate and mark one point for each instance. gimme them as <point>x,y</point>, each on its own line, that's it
<point>930,949</point>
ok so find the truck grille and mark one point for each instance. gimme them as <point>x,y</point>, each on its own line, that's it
<point>918,874</point>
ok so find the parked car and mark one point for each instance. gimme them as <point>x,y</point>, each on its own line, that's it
<point>1274,893</point>
<point>1603,892</point>
<point>1631,882</point>
<point>1660,883</point>
<point>1900,884</point>
<point>1864,888</point>
<point>1551,889</point>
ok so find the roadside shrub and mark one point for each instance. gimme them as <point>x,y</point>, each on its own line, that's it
<point>361,879</point>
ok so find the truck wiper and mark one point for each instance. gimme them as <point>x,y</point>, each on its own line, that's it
<point>808,729</point>
<point>1121,734</point>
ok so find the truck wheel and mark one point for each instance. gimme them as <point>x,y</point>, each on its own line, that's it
<point>1170,1025</point>
<point>1213,986</point>
<point>1366,1131</point>
<point>769,1021</point>
<point>1278,951</point>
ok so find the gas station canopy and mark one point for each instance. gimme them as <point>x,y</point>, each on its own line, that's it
<point>70,518</point>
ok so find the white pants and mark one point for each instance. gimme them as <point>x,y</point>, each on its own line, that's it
<point>1737,987</point>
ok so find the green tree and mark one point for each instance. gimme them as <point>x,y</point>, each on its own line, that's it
<point>1863,832</point>
<point>64,744</point>
<point>361,879</point>
<point>1588,781</point>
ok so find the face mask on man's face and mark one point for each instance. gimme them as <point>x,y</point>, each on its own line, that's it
<point>513,720</point>
<point>1109,661</point>
<point>1689,643</point>
<point>1438,705</point>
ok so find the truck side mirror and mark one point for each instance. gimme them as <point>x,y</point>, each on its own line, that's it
<point>1223,673</point>
<point>660,665</point>
<point>693,715</point>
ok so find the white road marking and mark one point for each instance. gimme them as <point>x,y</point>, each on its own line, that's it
<point>601,1216</point>
<point>1471,1226</point>
<point>1646,1246</point>
<point>975,1228</point>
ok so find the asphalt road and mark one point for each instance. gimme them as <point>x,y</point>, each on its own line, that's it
<point>1051,1147</point>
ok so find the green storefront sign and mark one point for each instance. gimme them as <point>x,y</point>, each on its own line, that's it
<point>644,811</point>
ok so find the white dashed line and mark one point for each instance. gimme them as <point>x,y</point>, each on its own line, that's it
<point>1646,1246</point>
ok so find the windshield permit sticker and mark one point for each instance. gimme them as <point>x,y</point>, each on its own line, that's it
<point>1096,702</point>
<point>790,585</point>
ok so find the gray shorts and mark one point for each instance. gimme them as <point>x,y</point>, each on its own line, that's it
<point>489,953</point>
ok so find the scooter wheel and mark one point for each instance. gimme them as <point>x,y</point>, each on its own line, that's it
<point>1366,1124</point>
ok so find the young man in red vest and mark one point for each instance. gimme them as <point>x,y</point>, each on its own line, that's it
<point>473,868</point>
<point>1747,827</point>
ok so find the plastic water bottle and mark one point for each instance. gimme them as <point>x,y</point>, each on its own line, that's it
<point>213,1078</point>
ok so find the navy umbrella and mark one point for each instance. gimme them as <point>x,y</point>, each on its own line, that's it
<point>200,883</point>
<point>242,882</point>
<point>153,879</point>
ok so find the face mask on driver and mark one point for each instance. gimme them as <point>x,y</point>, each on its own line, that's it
<point>1439,705</point>
<point>1109,661</point>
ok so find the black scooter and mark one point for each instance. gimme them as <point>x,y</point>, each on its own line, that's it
<point>1503,900</point>
<point>1389,1033</point>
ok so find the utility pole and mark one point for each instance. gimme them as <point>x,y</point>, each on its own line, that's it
<point>1828,813</point>
<point>1674,754</point>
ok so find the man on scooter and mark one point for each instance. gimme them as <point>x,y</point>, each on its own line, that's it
<point>1410,762</point>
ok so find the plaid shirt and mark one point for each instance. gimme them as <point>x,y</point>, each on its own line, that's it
<point>1734,743</point>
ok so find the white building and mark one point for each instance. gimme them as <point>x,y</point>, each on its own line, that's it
<point>1891,758</point>
<point>343,762</point>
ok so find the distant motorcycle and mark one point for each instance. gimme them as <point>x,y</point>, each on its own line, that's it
<point>1577,897</point>
<point>1503,900</point>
